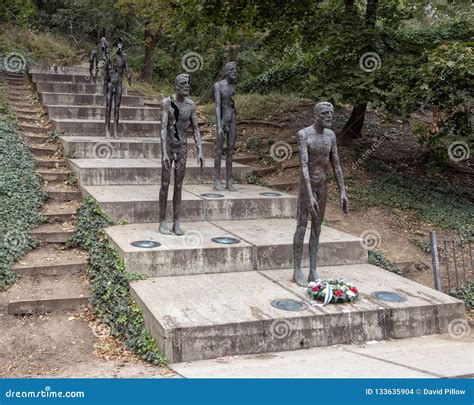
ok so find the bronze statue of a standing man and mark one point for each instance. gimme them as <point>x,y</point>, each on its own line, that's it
<point>317,147</point>
<point>177,113</point>
<point>115,67</point>
<point>226,122</point>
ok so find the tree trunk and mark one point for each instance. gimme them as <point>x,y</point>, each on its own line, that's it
<point>151,39</point>
<point>353,127</point>
<point>232,54</point>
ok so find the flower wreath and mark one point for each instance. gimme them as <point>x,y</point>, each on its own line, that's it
<point>330,290</point>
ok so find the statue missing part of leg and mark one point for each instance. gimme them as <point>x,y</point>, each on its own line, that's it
<point>317,147</point>
<point>226,123</point>
<point>101,49</point>
<point>177,113</point>
<point>115,67</point>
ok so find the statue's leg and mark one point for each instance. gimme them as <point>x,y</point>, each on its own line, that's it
<point>315,232</point>
<point>117,103</point>
<point>165,183</point>
<point>108,106</point>
<point>230,154</point>
<point>298,238</point>
<point>217,161</point>
<point>180,168</point>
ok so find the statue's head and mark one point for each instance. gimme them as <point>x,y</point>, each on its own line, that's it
<point>231,71</point>
<point>182,84</point>
<point>119,44</point>
<point>323,113</point>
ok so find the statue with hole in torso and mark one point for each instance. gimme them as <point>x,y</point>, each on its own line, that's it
<point>226,125</point>
<point>318,149</point>
<point>115,67</point>
<point>178,113</point>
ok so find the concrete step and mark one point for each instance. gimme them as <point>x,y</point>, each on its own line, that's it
<point>51,260</point>
<point>84,147</point>
<point>48,69</point>
<point>40,295</point>
<point>54,175</point>
<point>32,128</point>
<point>383,358</point>
<point>62,193</point>
<point>282,185</point>
<point>73,88</point>
<point>35,139</point>
<point>27,111</point>
<point>138,204</point>
<point>43,151</point>
<point>77,127</point>
<point>49,163</point>
<point>235,316</point>
<point>27,118</point>
<point>262,244</point>
<point>98,112</point>
<point>55,211</point>
<point>84,78</point>
<point>103,172</point>
<point>52,233</point>
<point>85,99</point>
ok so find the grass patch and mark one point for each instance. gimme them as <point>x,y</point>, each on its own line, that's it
<point>465,294</point>
<point>253,106</point>
<point>20,195</point>
<point>378,259</point>
<point>392,191</point>
<point>110,284</point>
<point>38,47</point>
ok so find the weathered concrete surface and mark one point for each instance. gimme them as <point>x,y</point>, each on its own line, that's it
<point>87,147</point>
<point>138,204</point>
<point>96,172</point>
<point>191,253</point>
<point>247,203</point>
<point>235,315</point>
<point>65,77</point>
<point>97,127</point>
<point>421,357</point>
<point>85,99</point>
<point>273,241</point>
<point>47,69</point>
<point>84,112</point>
<point>265,252</point>
<point>73,88</point>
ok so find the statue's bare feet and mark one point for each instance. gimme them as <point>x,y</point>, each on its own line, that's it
<point>218,185</point>
<point>299,278</point>
<point>164,229</point>
<point>230,186</point>
<point>177,229</point>
<point>313,275</point>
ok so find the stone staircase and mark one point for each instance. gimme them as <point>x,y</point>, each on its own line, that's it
<point>51,275</point>
<point>209,293</point>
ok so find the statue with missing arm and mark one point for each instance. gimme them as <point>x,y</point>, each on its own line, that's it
<point>178,113</point>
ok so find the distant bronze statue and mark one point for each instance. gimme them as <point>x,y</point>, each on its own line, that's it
<point>100,50</point>
<point>317,147</point>
<point>177,113</point>
<point>115,66</point>
<point>226,123</point>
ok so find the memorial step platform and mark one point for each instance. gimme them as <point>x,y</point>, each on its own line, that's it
<point>140,204</point>
<point>248,245</point>
<point>97,127</point>
<point>86,99</point>
<point>85,112</point>
<point>103,172</point>
<point>84,147</point>
<point>84,78</point>
<point>74,88</point>
<point>215,315</point>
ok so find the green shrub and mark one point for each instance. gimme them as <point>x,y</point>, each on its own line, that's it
<point>110,284</point>
<point>20,197</point>
<point>465,294</point>
<point>378,259</point>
